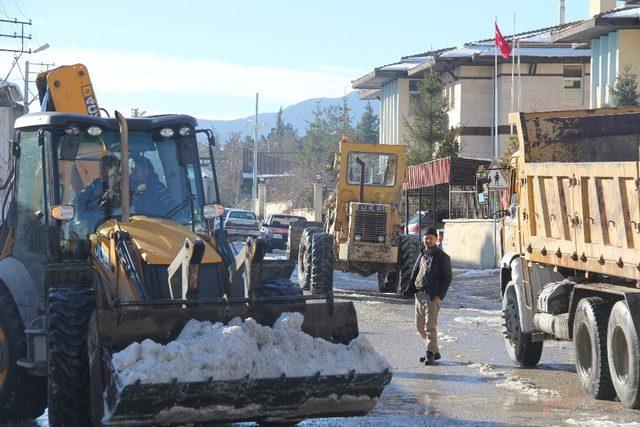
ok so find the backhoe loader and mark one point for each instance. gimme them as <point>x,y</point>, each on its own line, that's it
<point>106,240</point>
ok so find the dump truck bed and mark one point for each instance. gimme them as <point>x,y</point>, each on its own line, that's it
<point>579,174</point>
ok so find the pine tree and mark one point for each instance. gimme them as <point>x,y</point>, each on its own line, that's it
<point>368,128</point>
<point>624,92</point>
<point>340,121</point>
<point>429,136</point>
<point>279,130</point>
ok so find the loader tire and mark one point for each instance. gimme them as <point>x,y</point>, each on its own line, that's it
<point>304,257</point>
<point>387,281</point>
<point>623,351</point>
<point>322,261</point>
<point>522,350</point>
<point>69,308</point>
<point>590,348</point>
<point>408,252</point>
<point>22,395</point>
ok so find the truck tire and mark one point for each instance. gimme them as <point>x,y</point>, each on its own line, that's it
<point>304,259</point>
<point>521,349</point>
<point>623,350</point>
<point>322,262</point>
<point>69,308</point>
<point>590,348</point>
<point>22,395</point>
<point>408,252</point>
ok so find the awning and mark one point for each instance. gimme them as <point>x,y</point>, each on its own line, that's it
<point>449,170</point>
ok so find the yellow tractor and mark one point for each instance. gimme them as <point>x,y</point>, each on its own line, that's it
<point>362,231</point>
<point>107,239</point>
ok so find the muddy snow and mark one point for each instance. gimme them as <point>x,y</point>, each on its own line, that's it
<point>206,350</point>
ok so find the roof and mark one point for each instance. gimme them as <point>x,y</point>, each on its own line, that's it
<point>535,46</point>
<point>450,170</point>
<point>73,119</point>
<point>600,25</point>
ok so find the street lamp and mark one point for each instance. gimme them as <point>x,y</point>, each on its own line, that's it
<point>26,77</point>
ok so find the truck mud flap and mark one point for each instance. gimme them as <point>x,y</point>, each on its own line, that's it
<point>273,399</point>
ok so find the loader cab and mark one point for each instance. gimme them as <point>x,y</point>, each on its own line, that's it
<point>67,180</point>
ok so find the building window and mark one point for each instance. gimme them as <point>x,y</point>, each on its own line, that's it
<point>572,82</point>
<point>414,95</point>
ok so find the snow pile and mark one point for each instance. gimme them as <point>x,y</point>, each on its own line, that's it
<point>206,350</point>
<point>476,274</point>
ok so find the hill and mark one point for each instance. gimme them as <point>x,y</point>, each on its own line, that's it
<point>298,115</point>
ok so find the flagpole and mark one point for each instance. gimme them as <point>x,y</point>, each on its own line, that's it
<point>513,66</point>
<point>519,79</point>
<point>495,99</point>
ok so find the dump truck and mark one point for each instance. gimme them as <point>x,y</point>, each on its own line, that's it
<point>571,238</point>
<point>90,264</point>
<point>362,231</point>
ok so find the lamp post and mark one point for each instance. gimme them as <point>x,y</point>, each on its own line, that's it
<point>26,77</point>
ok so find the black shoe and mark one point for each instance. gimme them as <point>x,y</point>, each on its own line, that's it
<point>428,359</point>
<point>437,356</point>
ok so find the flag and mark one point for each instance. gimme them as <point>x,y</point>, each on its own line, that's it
<point>502,44</point>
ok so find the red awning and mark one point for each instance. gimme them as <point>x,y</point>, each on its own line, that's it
<point>450,170</point>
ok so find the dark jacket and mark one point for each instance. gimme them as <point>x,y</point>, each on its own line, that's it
<point>438,276</point>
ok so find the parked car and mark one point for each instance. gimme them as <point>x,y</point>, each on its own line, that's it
<point>275,229</point>
<point>427,221</point>
<point>241,224</point>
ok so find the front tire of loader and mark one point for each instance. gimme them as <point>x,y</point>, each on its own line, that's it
<point>304,257</point>
<point>623,350</point>
<point>408,252</point>
<point>322,261</point>
<point>22,395</point>
<point>521,349</point>
<point>69,308</point>
<point>590,348</point>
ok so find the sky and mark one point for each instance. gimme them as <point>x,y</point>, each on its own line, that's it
<point>209,58</point>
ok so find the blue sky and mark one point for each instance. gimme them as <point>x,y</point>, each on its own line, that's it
<point>208,58</point>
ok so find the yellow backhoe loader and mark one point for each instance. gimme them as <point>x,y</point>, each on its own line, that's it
<point>106,240</point>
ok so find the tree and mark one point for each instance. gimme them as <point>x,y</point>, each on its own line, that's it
<point>368,127</point>
<point>339,120</point>
<point>624,92</point>
<point>428,135</point>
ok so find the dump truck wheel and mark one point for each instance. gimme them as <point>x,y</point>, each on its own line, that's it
<point>304,257</point>
<point>322,261</point>
<point>520,347</point>
<point>590,348</point>
<point>22,395</point>
<point>69,308</point>
<point>623,350</point>
<point>408,251</point>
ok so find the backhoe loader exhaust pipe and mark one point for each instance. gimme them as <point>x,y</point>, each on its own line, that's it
<point>362,169</point>
<point>124,165</point>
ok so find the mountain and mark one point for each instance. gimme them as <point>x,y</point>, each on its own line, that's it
<point>298,115</point>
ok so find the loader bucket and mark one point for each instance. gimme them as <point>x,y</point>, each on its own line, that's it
<point>213,401</point>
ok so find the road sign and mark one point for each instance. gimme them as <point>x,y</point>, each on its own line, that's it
<point>497,175</point>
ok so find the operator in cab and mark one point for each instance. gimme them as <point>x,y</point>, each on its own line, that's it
<point>149,195</point>
<point>103,193</point>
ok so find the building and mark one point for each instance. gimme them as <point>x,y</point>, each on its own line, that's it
<point>614,37</point>
<point>550,76</point>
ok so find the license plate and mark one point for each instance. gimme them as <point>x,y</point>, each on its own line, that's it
<point>277,236</point>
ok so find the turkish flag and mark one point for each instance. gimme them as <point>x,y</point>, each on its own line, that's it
<point>502,44</point>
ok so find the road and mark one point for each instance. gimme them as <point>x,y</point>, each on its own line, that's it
<point>475,383</point>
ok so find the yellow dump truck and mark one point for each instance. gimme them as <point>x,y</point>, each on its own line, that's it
<point>362,230</point>
<point>571,234</point>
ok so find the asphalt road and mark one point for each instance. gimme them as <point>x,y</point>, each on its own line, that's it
<point>475,383</point>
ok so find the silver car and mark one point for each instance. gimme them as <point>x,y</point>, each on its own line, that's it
<point>240,223</point>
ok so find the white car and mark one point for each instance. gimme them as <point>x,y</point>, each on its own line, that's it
<point>241,223</point>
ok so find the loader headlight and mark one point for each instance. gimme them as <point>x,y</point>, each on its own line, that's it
<point>381,239</point>
<point>167,132</point>
<point>94,131</point>
<point>63,212</point>
<point>358,237</point>
<point>212,211</point>
<point>185,131</point>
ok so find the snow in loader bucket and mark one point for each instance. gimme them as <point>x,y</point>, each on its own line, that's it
<point>287,383</point>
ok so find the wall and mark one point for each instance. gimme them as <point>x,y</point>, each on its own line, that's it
<point>394,108</point>
<point>470,243</point>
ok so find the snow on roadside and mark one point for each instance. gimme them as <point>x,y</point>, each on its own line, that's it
<point>599,422</point>
<point>478,320</point>
<point>205,350</point>
<point>514,383</point>
<point>354,282</point>
<point>469,274</point>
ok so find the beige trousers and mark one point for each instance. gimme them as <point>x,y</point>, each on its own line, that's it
<point>427,320</point>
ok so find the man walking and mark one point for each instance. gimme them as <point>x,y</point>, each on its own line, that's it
<point>429,283</point>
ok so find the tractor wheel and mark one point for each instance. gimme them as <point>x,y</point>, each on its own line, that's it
<point>22,395</point>
<point>590,348</point>
<point>408,252</point>
<point>522,350</point>
<point>322,261</point>
<point>69,308</point>
<point>623,350</point>
<point>304,257</point>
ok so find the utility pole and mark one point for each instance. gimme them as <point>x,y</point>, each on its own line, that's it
<point>43,67</point>
<point>254,191</point>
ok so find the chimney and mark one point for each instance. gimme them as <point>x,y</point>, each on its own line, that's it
<point>561,13</point>
<point>599,6</point>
